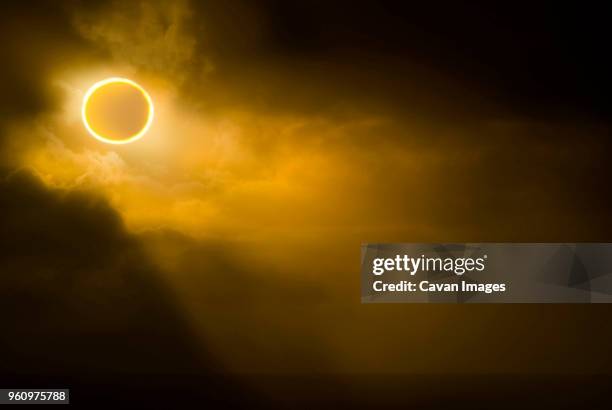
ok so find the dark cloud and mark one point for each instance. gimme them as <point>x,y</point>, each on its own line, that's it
<point>83,306</point>
<point>438,60</point>
<point>76,288</point>
<point>36,42</point>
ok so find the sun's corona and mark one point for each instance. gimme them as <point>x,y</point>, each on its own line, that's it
<point>117,111</point>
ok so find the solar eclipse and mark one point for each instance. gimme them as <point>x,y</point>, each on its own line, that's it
<point>117,111</point>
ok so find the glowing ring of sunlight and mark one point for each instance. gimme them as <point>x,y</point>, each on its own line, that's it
<point>117,80</point>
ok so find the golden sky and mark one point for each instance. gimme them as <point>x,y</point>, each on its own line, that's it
<point>264,170</point>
